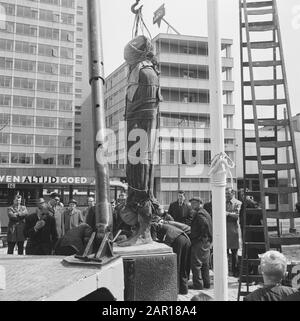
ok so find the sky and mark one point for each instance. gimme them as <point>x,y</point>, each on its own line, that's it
<point>190,18</point>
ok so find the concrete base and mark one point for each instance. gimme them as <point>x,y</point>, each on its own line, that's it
<point>150,272</point>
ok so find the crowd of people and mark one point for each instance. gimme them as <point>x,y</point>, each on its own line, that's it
<point>55,229</point>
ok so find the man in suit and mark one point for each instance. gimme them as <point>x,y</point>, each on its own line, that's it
<point>201,238</point>
<point>180,211</point>
<point>180,243</point>
<point>233,208</point>
<point>57,209</point>
<point>40,229</point>
<point>72,216</point>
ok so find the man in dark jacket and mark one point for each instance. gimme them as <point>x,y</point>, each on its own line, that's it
<point>201,238</point>
<point>180,211</point>
<point>40,229</point>
<point>74,241</point>
<point>180,243</point>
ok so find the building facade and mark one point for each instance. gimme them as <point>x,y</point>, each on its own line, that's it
<point>44,82</point>
<point>184,115</point>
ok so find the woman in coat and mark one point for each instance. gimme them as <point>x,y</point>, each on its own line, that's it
<point>15,235</point>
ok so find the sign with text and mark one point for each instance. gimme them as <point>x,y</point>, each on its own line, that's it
<point>11,181</point>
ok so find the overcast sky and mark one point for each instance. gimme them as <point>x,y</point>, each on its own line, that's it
<point>190,18</point>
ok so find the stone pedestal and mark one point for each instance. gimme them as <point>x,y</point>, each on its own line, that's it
<point>150,272</point>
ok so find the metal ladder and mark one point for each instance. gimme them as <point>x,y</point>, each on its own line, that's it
<point>264,101</point>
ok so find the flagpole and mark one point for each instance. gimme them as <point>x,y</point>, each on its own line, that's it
<point>219,178</point>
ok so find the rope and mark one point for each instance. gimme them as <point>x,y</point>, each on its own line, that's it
<point>221,164</point>
<point>138,190</point>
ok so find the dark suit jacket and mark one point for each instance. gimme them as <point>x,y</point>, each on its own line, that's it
<point>201,226</point>
<point>181,214</point>
<point>169,233</point>
<point>46,235</point>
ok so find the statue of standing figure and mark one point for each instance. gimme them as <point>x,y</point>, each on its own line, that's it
<point>142,102</point>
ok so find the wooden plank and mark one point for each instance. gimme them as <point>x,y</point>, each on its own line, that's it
<point>252,278</point>
<point>275,144</point>
<point>255,245</point>
<point>277,167</point>
<point>268,122</point>
<point>261,28</point>
<point>260,11</point>
<point>264,83</point>
<point>254,228</point>
<point>263,64</point>
<point>261,44</point>
<point>261,139</point>
<point>266,102</point>
<point>253,211</point>
<point>281,190</point>
<point>263,157</point>
<point>291,240</point>
<point>259,4</point>
<point>282,215</point>
<point>256,176</point>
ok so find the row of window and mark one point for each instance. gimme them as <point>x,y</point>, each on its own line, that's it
<point>40,122</point>
<point>33,49</point>
<point>41,14</point>
<point>37,140</point>
<point>30,66</point>
<point>39,84</point>
<point>37,159</point>
<point>34,31</point>
<point>40,103</point>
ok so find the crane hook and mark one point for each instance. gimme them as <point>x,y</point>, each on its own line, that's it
<point>133,7</point>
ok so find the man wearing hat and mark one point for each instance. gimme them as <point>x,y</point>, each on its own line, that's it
<point>40,229</point>
<point>58,209</point>
<point>201,238</point>
<point>72,216</point>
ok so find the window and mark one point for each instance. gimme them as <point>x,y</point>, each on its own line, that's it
<point>26,47</point>
<point>9,8</point>
<point>24,83</point>
<point>6,63</point>
<point>49,51</point>
<point>65,142</point>
<point>4,138</point>
<point>27,12</point>
<point>21,139</point>
<point>48,15</point>
<point>45,141</point>
<point>67,36</point>
<point>20,158</point>
<point>66,70</point>
<point>23,121</point>
<point>53,2</point>
<point>46,122</point>
<point>67,19</point>
<point>48,68</point>
<point>65,105</point>
<point>65,88</point>
<point>5,100</point>
<point>45,159</point>
<point>46,104</point>
<point>8,27</point>
<point>23,102</point>
<point>6,45</point>
<point>5,82</point>
<point>47,85</point>
<point>68,3</point>
<point>66,53</point>
<point>64,160</point>
<point>4,158</point>
<point>66,123</point>
<point>49,33</point>
<point>26,30</point>
<point>25,65</point>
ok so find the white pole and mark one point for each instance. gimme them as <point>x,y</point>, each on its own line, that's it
<point>217,143</point>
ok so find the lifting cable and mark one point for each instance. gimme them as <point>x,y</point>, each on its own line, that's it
<point>139,22</point>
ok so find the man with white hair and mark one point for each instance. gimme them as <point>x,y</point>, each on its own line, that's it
<point>273,266</point>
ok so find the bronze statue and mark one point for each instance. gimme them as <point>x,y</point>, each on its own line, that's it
<point>142,101</point>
